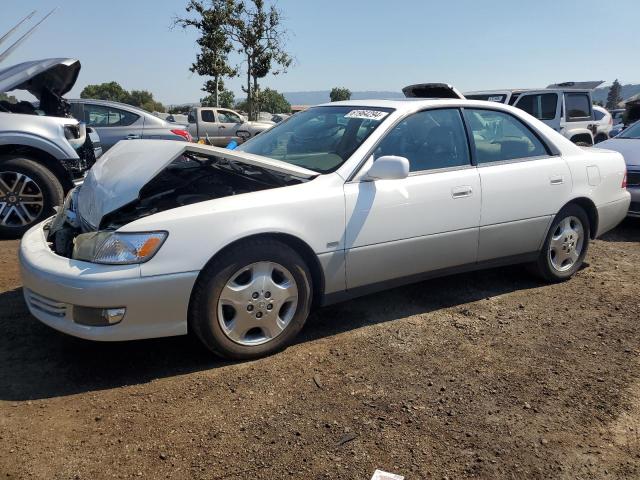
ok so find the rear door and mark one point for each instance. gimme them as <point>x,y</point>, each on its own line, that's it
<point>578,109</point>
<point>113,124</point>
<point>544,105</point>
<point>228,123</point>
<point>208,127</point>
<point>523,184</point>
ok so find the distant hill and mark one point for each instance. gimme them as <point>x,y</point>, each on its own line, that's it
<point>600,94</point>
<point>322,96</point>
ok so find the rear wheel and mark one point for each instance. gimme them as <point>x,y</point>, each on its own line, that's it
<point>251,301</point>
<point>28,193</point>
<point>565,246</point>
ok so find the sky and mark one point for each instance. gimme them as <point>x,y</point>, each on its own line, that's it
<point>360,44</point>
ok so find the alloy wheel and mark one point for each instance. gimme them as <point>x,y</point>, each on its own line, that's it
<point>21,199</point>
<point>566,243</point>
<point>257,303</point>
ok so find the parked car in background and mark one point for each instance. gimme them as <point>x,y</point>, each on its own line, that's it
<point>177,118</point>
<point>279,117</point>
<point>617,115</point>
<point>604,123</point>
<point>115,121</point>
<point>628,144</point>
<point>565,107</point>
<point>237,245</point>
<point>220,126</point>
<point>43,149</point>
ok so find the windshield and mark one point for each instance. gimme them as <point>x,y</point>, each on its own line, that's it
<point>320,138</point>
<point>632,132</point>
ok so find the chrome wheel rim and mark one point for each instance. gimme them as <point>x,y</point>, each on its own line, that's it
<point>21,199</point>
<point>257,303</point>
<point>566,244</point>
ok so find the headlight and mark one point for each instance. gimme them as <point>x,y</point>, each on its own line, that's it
<point>115,248</point>
<point>76,134</point>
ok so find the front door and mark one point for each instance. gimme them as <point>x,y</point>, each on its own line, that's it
<point>426,222</point>
<point>228,123</point>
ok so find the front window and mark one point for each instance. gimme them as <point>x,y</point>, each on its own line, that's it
<point>320,138</point>
<point>228,117</point>
<point>632,132</point>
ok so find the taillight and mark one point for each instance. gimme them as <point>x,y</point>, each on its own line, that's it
<point>624,180</point>
<point>183,133</point>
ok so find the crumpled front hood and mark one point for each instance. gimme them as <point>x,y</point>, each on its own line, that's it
<point>117,178</point>
<point>57,74</point>
<point>628,147</point>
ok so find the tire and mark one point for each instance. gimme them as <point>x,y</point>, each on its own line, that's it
<point>227,316</point>
<point>565,246</point>
<point>40,190</point>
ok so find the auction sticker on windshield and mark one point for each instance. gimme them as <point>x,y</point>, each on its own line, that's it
<point>367,114</point>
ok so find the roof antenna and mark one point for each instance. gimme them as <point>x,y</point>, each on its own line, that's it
<point>15,45</point>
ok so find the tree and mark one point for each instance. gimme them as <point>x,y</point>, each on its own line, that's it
<point>215,47</point>
<point>340,93</point>
<point>273,101</point>
<point>260,35</point>
<point>226,99</point>
<point>614,97</point>
<point>105,91</point>
<point>114,92</point>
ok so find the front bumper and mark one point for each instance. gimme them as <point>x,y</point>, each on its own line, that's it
<point>156,306</point>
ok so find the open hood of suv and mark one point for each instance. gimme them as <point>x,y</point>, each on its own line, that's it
<point>59,75</point>
<point>432,90</point>
<point>118,177</point>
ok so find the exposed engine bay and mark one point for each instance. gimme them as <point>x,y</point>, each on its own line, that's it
<point>191,178</point>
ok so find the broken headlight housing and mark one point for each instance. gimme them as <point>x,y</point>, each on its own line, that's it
<point>114,248</point>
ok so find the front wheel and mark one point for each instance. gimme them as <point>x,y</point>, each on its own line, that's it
<point>28,193</point>
<point>565,246</point>
<point>251,301</point>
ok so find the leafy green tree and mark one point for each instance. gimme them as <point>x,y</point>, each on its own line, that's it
<point>614,97</point>
<point>340,93</point>
<point>273,101</point>
<point>227,99</point>
<point>179,109</point>
<point>212,22</point>
<point>114,92</point>
<point>105,91</point>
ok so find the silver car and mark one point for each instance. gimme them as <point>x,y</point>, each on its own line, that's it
<point>116,121</point>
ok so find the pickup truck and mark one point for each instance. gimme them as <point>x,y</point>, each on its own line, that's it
<point>220,126</point>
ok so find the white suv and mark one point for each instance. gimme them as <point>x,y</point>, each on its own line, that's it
<point>566,107</point>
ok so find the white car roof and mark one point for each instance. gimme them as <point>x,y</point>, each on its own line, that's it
<point>408,104</point>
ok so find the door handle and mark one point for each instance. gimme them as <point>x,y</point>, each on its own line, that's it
<point>461,192</point>
<point>133,136</point>
<point>222,126</point>
<point>556,180</point>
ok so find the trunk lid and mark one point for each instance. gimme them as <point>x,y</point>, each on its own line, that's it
<point>117,178</point>
<point>58,75</point>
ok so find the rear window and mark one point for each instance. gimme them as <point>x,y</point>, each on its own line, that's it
<point>598,114</point>
<point>577,105</point>
<point>542,106</point>
<point>207,116</point>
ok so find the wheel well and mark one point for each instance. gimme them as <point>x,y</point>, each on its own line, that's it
<point>592,213</point>
<point>300,246</point>
<point>582,137</point>
<point>48,161</point>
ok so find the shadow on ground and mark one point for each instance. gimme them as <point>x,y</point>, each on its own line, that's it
<point>627,231</point>
<point>39,362</point>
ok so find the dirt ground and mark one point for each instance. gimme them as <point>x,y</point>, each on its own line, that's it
<point>482,375</point>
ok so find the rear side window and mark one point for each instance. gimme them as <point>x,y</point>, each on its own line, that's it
<point>499,136</point>
<point>542,106</point>
<point>429,140</point>
<point>577,105</point>
<point>598,114</point>
<point>207,116</point>
<point>103,116</point>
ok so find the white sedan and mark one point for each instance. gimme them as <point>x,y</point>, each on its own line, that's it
<point>344,199</point>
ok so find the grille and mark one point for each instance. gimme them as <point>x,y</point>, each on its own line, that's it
<point>46,305</point>
<point>633,178</point>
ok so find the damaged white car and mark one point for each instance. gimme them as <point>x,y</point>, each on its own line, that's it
<point>341,200</point>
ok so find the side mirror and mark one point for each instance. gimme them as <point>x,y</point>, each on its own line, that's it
<point>388,167</point>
